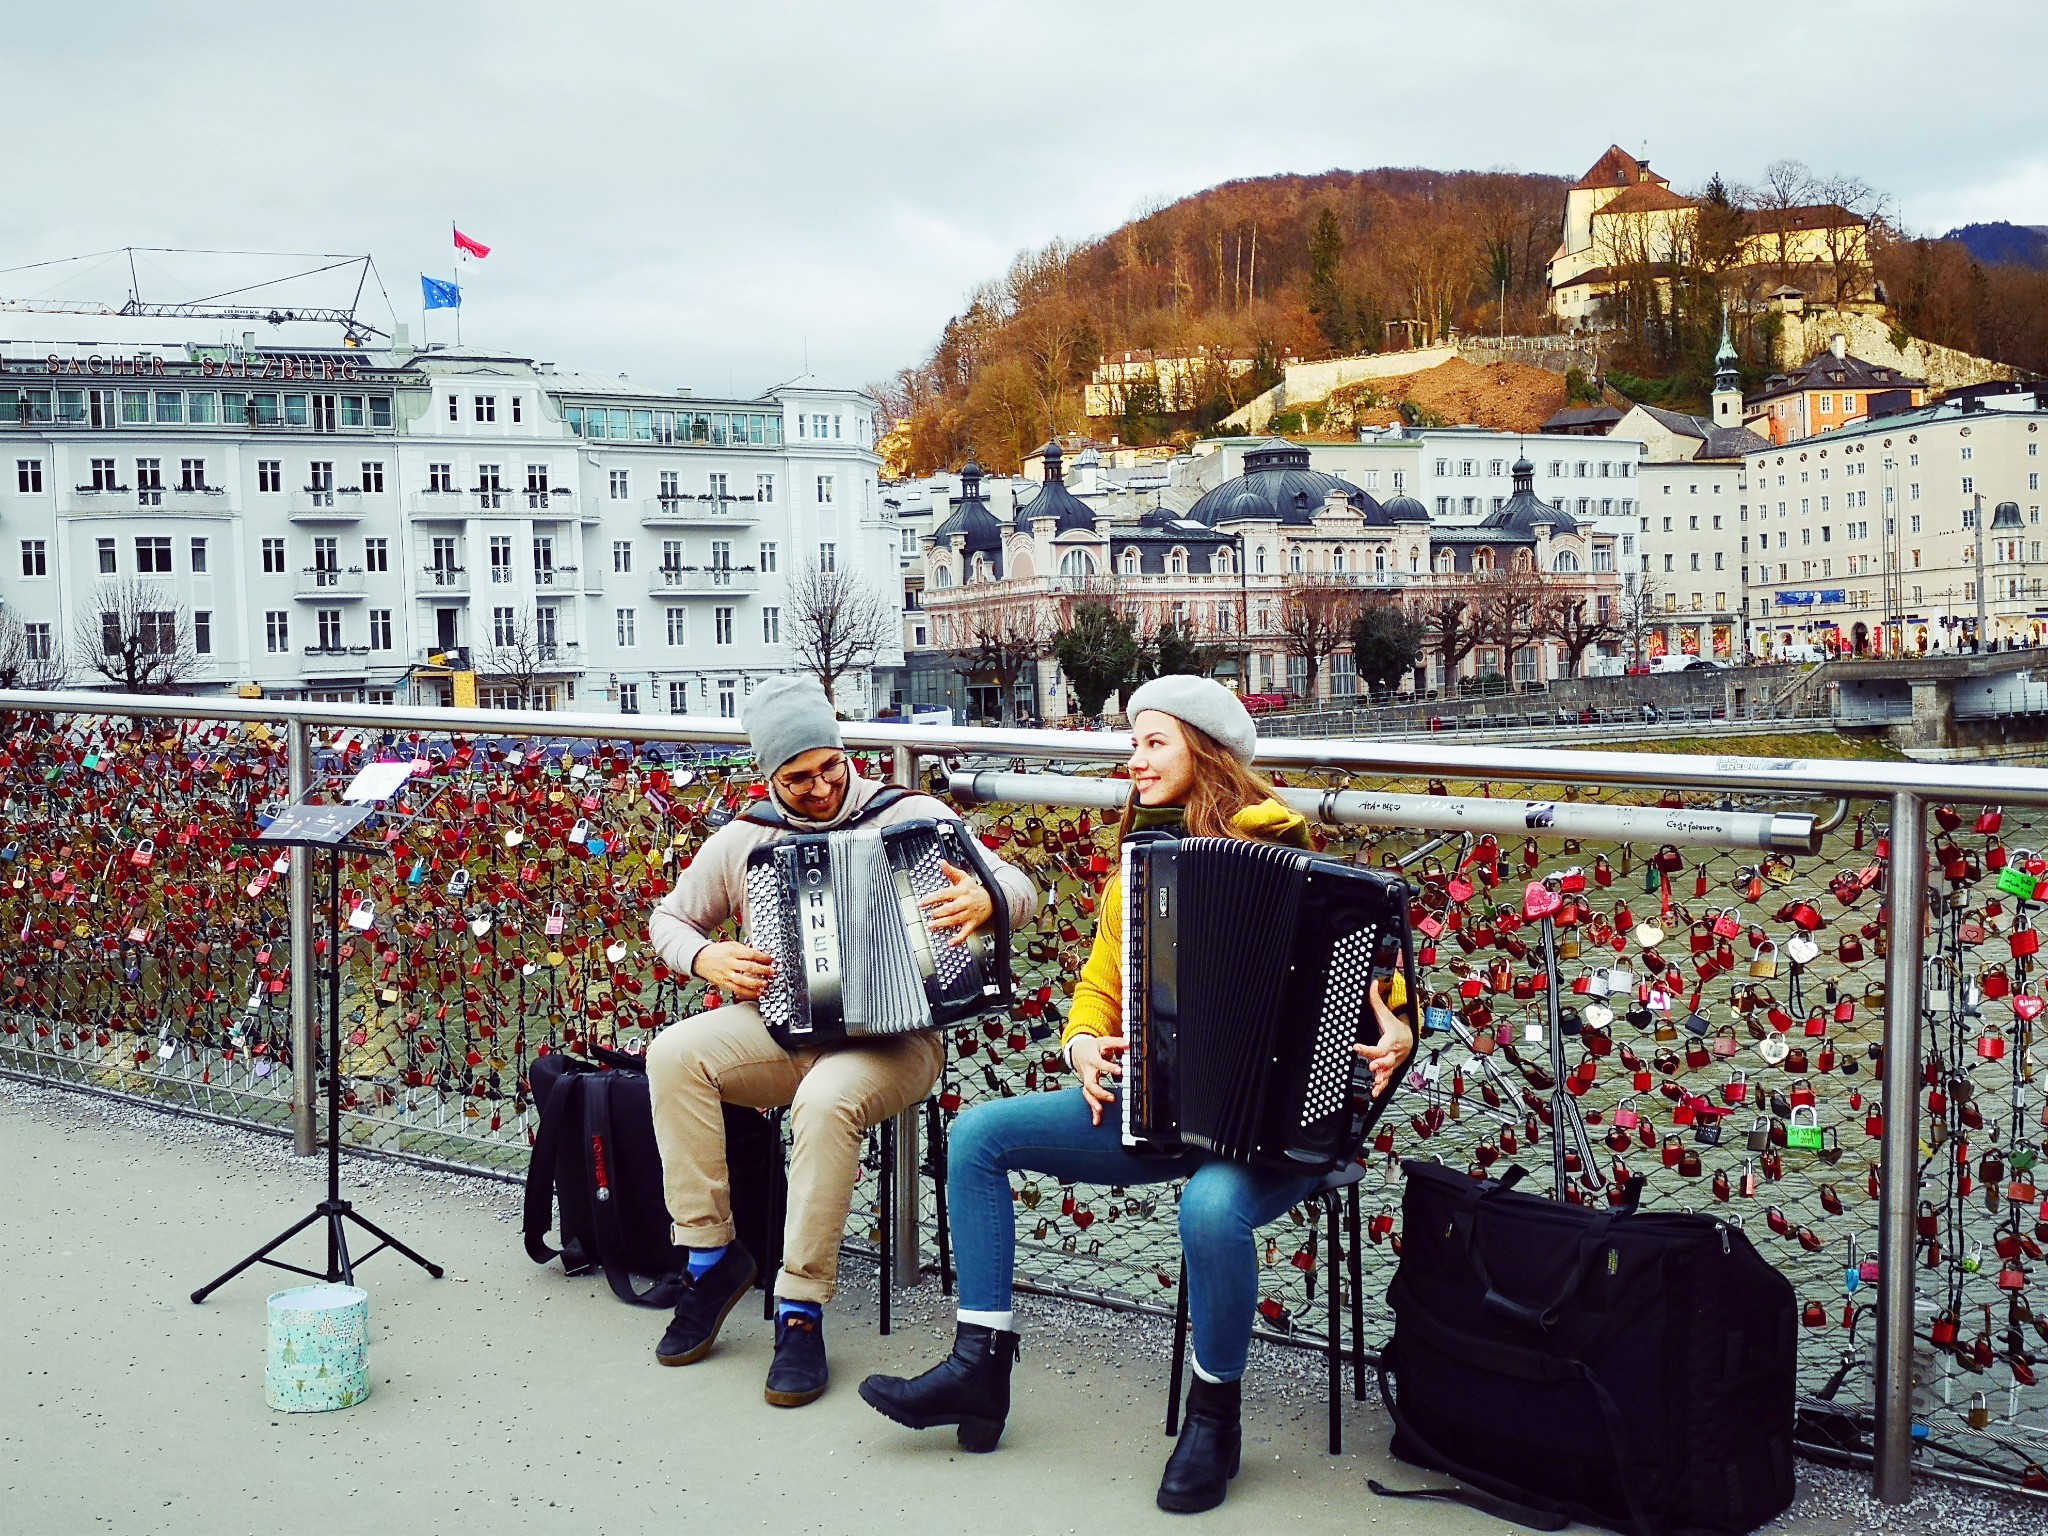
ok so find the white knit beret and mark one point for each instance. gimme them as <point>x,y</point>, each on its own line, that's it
<point>1203,703</point>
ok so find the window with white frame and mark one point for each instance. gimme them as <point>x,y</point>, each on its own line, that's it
<point>721,626</point>
<point>626,621</point>
<point>622,557</point>
<point>504,626</point>
<point>621,484</point>
<point>678,697</point>
<point>376,554</point>
<point>273,556</point>
<point>827,487</point>
<point>380,629</point>
<point>629,698</point>
<point>28,475</point>
<point>373,476</point>
<point>766,559</point>
<point>35,557</point>
<point>678,624</point>
<point>277,633</point>
<point>828,557</point>
<point>771,626</point>
<point>328,623</point>
<point>764,488</point>
<point>486,407</point>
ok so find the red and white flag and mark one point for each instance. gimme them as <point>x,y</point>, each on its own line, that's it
<point>470,247</point>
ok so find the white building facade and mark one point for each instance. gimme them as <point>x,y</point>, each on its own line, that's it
<point>323,524</point>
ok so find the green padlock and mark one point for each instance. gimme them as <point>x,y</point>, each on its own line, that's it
<point>1653,878</point>
<point>2023,1159</point>
<point>2015,881</point>
<point>1802,1130</point>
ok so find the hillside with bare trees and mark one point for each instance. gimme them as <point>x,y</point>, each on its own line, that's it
<point>1244,276</point>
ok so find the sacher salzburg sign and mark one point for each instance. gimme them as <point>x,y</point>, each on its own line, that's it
<point>286,367</point>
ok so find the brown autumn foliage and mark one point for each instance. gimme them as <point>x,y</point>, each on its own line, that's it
<point>1304,265</point>
<point>1940,293</point>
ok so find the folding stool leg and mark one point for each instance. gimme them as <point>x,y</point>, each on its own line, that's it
<point>1180,1350</point>
<point>935,1144</point>
<point>778,1212</point>
<point>1334,1357</point>
<point>1357,1295</point>
<point>885,1192</point>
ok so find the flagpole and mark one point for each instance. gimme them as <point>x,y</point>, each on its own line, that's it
<point>455,275</point>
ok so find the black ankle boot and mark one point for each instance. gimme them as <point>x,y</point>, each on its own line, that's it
<point>970,1388</point>
<point>1198,1473</point>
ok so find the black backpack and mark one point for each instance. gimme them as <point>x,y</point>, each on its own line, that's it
<point>594,1154</point>
<point>1630,1369</point>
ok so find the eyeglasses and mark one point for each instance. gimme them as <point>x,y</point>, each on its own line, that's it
<point>801,784</point>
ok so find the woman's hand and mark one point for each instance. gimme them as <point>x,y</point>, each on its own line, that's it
<point>1096,1064</point>
<point>739,971</point>
<point>964,908</point>
<point>1396,1043</point>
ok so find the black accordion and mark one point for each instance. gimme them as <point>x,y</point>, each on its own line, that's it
<point>854,954</point>
<point>1247,973</point>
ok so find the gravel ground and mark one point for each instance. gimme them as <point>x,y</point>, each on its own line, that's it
<point>1096,1350</point>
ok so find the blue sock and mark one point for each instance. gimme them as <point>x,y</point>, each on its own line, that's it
<point>701,1259</point>
<point>784,1307</point>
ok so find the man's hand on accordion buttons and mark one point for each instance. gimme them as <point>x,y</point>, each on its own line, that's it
<point>1394,1046</point>
<point>1096,1065</point>
<point>740,971</point>
<point>964,908</point>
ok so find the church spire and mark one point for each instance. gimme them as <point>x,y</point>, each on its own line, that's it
<point>1727,399</point>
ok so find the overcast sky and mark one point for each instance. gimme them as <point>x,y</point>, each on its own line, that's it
<point>705,194</point>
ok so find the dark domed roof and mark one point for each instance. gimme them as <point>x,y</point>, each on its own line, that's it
<point>2006,515</point>
<point>982,528</point>
<point>1524,510</point>
<point>1055,501</point>
<point>1277,484</point>
<point>1406,509</point>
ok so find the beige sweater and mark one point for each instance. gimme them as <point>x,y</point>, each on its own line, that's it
<point>713,888</point>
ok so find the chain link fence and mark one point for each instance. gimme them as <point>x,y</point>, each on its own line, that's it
<point>1720,1015</point>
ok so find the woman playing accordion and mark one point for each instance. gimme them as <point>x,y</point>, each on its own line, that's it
<point>1193,741</point>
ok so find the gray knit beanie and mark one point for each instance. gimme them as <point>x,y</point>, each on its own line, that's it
<point>787,716</point>
<point>1203,703</point>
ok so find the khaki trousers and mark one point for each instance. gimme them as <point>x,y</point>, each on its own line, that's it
<point>727,1056</point>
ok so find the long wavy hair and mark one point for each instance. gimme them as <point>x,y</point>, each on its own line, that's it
<point>1223,786</point>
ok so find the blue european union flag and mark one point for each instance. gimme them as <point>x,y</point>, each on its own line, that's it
<point>440,295</point>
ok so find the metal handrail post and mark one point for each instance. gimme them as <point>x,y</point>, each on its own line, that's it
<point>906,1257</point>
<point>1892,1462</point>
<point>299,890</point>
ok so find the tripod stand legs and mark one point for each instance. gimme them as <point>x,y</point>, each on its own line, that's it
<point>340,1267</point>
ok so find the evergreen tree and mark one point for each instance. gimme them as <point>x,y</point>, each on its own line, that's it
<point>1098,650</point>
<point>1325,293</point>
<point>1387,645</point>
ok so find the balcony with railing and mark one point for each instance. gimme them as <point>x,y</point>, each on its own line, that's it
<point>336,660</point>
<point>674,581</point>
<point>441,506</point>
<point>444,581</point>
<point>319,583</point>
<point>705,511</point>
<point>325,504</point>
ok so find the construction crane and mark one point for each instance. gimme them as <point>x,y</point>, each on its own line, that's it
<point>237,303</point>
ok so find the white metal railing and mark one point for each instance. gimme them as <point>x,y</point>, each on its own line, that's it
<point>1907,789</point>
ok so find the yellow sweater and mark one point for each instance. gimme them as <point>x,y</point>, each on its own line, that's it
<point>1099,997</point>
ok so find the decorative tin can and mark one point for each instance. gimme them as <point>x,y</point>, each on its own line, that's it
<point>319,1349</point>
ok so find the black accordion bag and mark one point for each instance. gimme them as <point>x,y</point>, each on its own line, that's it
<point>594,1154</point>
<point>1630,1369</point>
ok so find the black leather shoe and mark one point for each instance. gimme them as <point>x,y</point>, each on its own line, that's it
<point>705,1303</point>
<point>1198,1473</point>
<point>970,1388</point>
<point>798,1374</point>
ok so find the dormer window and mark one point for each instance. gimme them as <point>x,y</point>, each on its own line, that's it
<point>1177,561</point>
<point>1130,561</point>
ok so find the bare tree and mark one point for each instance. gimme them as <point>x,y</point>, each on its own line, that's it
<point>28,661</point>
<point>518,658</point>
<point>838,624</point>
<point>1573,619</point>
<point>1315,620</point>
<point>1450,623</point>
<point>136,638</point>
<point>1509,602</point>
<point>995,639</point>
<point>1847,242</point>
<point>1637,613</point>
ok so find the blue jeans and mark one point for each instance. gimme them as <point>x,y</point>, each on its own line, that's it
<point>1048,1133</point>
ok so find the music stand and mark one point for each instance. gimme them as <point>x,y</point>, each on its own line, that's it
<point>325,826</point>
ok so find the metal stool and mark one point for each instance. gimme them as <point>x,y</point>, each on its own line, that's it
<point>1342,1182</point>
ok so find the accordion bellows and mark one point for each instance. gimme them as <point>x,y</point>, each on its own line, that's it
<point>854,955</point>
<point>1247,973</point>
